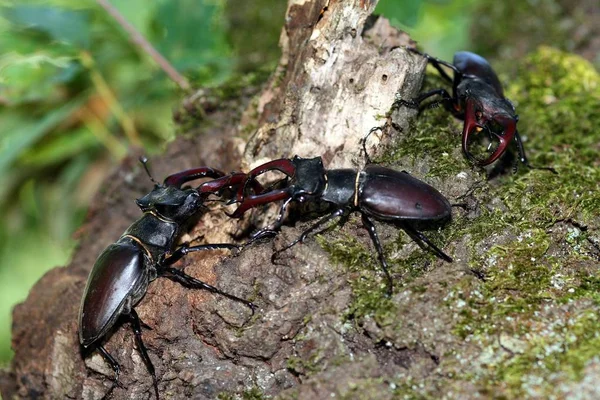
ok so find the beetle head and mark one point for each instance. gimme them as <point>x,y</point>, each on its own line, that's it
<point>490,126</point>
<point>171,203</point>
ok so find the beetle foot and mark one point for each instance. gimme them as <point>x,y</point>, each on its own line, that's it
<point>433,105</point>
<point>275,258</point>
<point>253,307</point>
<point>464,206</point>
<point>406,103</point>
<point>258,236</point>
<point>145,325</point>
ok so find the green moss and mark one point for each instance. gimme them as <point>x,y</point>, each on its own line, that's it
<point>300,366</point>
<point>368,388</point>
<point>538,292</point>
<point>410,389</point>
<point>530,273</point>
<point>254,394</point>
<point>251,394</point>
<point>522,285</point>
<point>517,281</point>
<point>234,87</point>
<point>558,98</point>
<point>370,299</point>
<point>561,350</point>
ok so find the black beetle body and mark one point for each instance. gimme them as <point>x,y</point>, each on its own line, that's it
<point>123,270</point>
<point>146,250</point>
<point>381,193</point>
<point>118,280</point>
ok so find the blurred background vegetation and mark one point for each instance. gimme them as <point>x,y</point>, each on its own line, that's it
<point>76,94</point>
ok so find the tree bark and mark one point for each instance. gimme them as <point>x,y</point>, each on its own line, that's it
<point>514,315</point>
<point>336,80</point>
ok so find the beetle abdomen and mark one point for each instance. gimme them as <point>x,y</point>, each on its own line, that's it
<point>118,276</point>
<point>388,194</point>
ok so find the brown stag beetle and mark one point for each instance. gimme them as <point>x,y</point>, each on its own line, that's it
<point>478,99</point>
<point>147,250</point>
<point>375,192</point>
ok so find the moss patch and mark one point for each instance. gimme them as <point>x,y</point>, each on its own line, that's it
<point>529,326</point>
<point>251,394</point>
<point>370,299</point>
<point>557,97</point>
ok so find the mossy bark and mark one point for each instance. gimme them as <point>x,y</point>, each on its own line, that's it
<point>514,315</point>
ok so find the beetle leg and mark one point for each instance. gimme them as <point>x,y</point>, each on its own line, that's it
<point>186,249</point>
<point>364,143</point>
<point>137,333</point>
<point>370,227</point>
<point>115,367</point>
<point>446,100</point>
<point>464,206</point>
<point>420,237</point>
<point>190,282</point>
<point>259,235</point>
<point>523,157</point>
<point>279,221</point>
<point>307,232</point>
<point>270,231</point>
<point>437,63</point>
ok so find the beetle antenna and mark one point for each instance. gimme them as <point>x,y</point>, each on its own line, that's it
<point>144,161</point>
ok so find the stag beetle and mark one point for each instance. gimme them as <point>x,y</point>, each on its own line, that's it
<point>478,99</point>
<point>375,192</point>
<point>147,250</point>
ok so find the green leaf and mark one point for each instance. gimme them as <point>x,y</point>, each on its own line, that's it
<point>63,146</point>
<point>62,25</point>
<point>14,143</point>
<point>35,77</point>
<point>138,13</point>
<point>192,36</point>
<point>406,13</point>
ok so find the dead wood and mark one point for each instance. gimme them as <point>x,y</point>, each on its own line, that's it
<point>337,78</point>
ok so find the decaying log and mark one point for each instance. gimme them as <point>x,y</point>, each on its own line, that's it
<point>337,78</point>
<point>515,314</point>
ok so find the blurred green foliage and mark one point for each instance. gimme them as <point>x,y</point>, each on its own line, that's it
<point>570,25</point>
<point>75,95</point>
<point>441,27</point>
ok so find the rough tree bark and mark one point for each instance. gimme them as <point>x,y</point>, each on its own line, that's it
<point>334,82</point>
<point>323,329</point>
